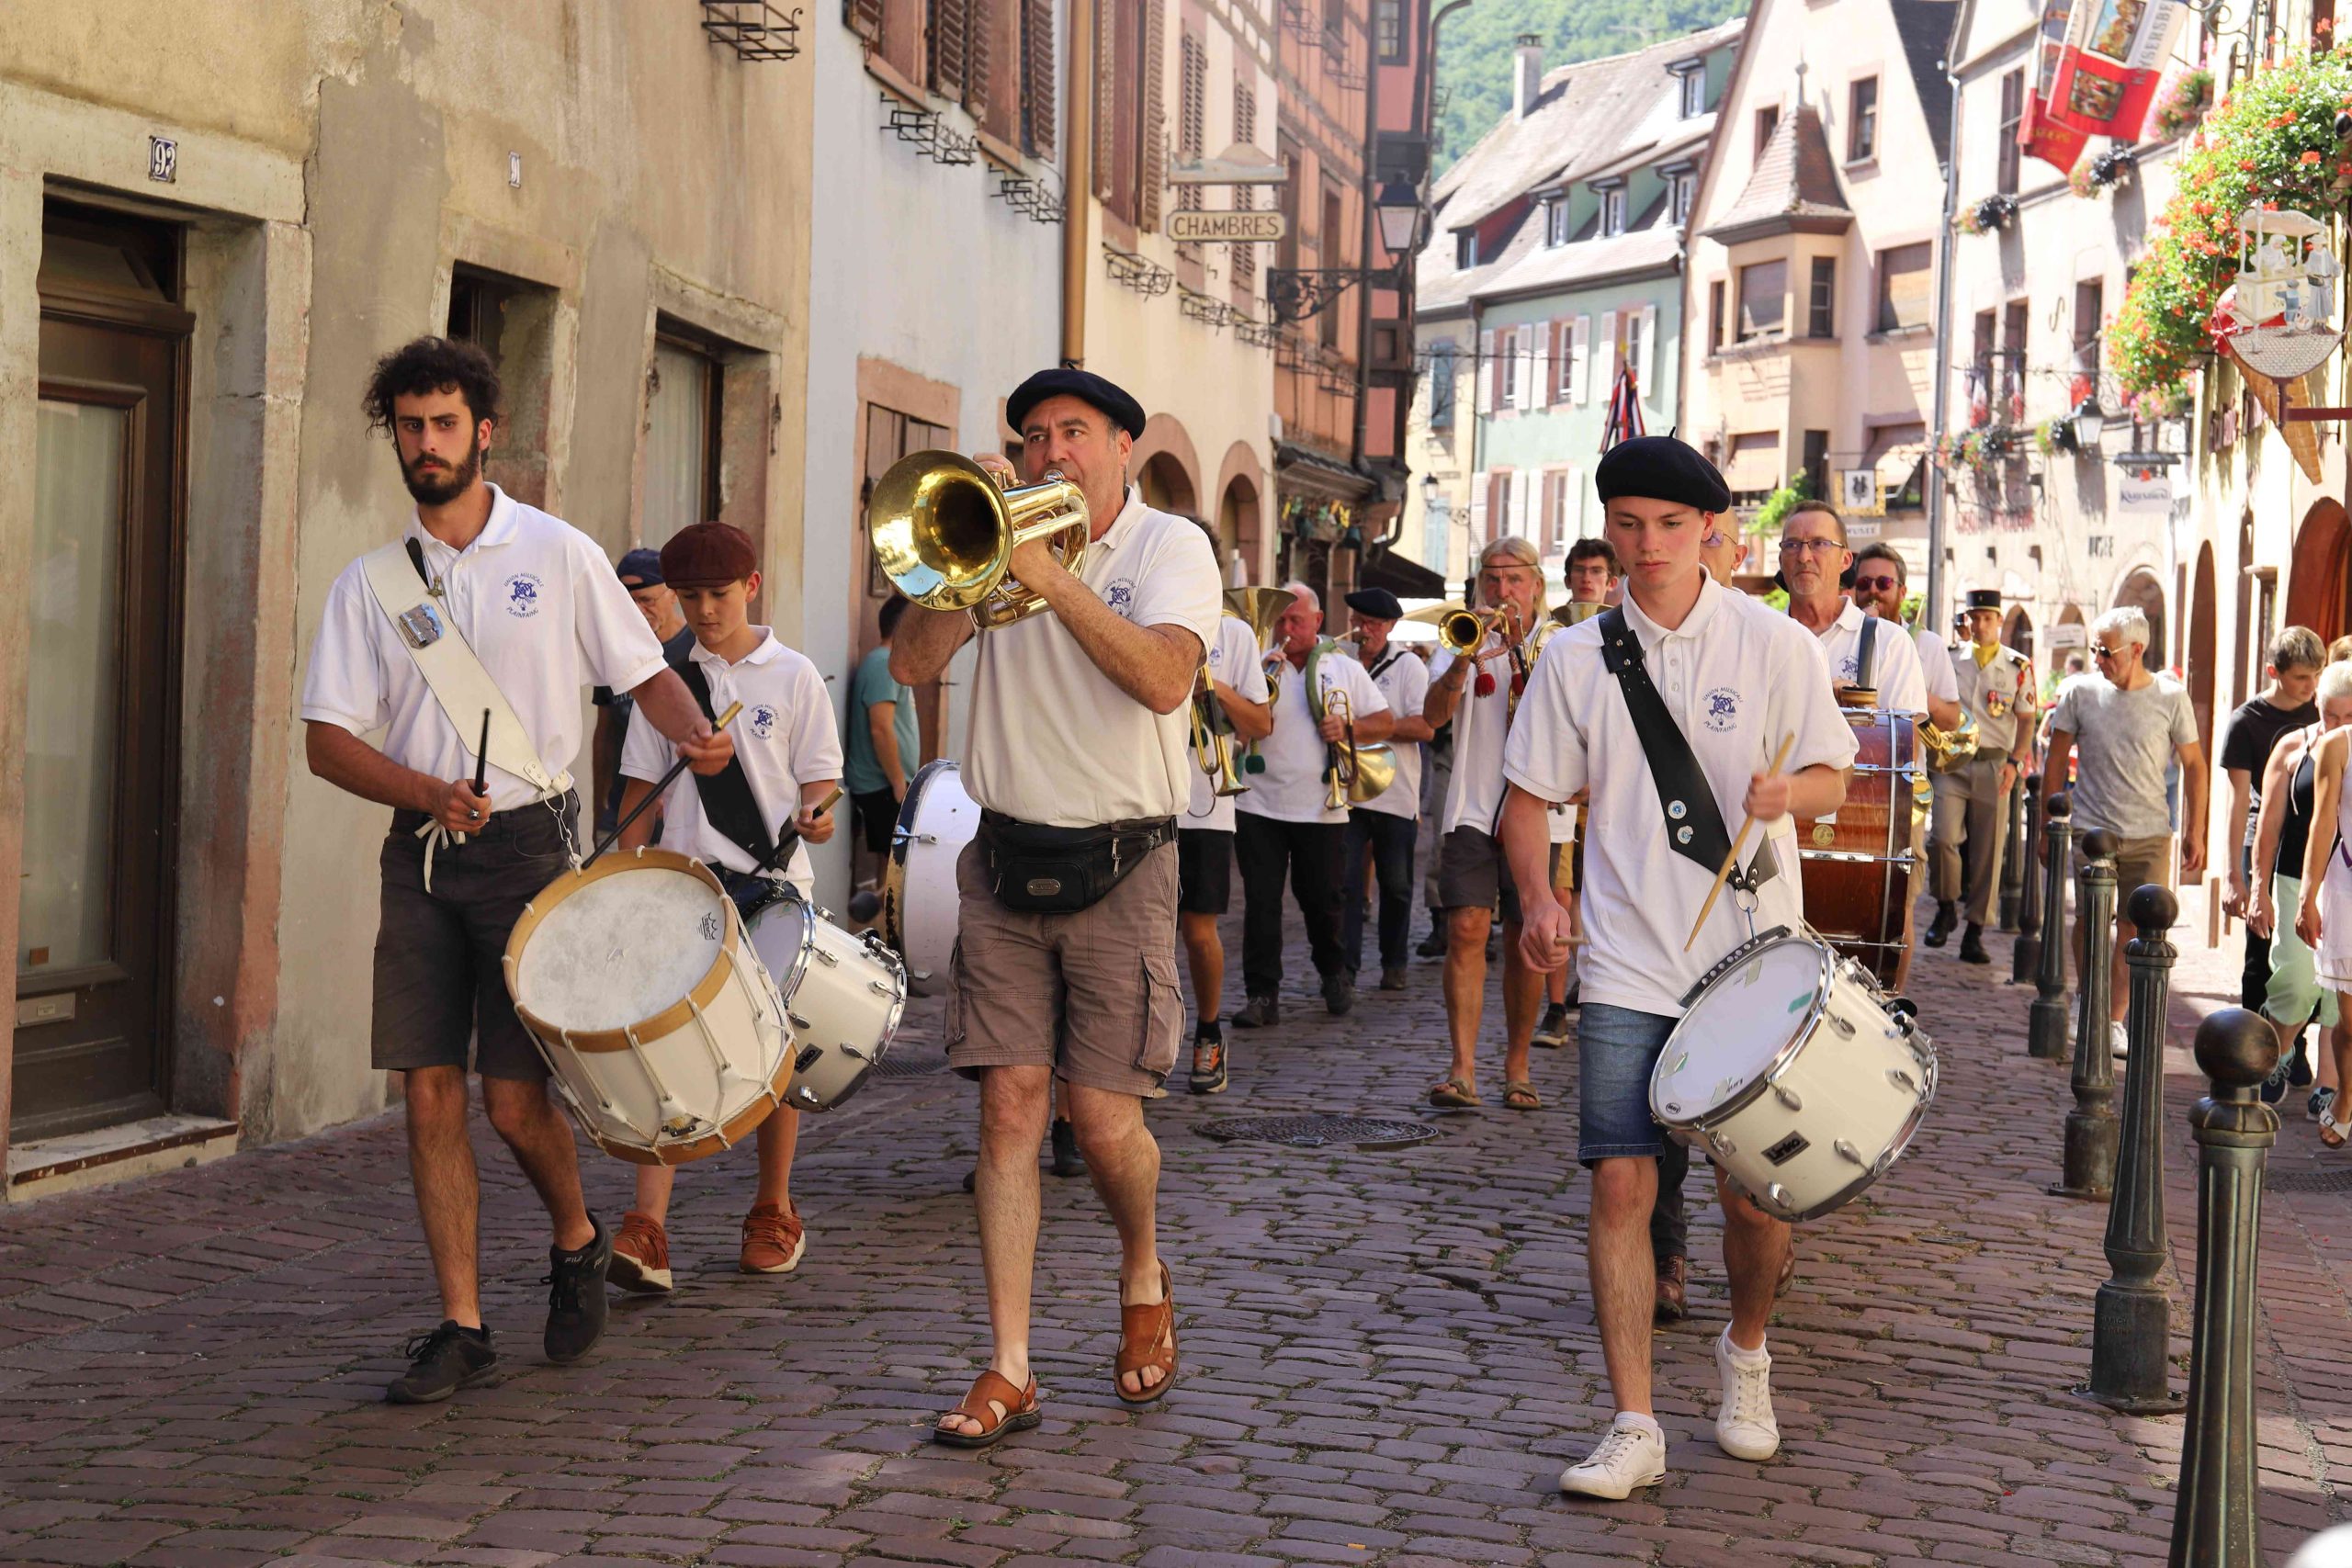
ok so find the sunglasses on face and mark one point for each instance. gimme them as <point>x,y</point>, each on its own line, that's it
<point>1876,584</point>
<point>2101,652</point>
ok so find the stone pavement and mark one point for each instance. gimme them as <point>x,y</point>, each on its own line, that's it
<point>1388,1354</point>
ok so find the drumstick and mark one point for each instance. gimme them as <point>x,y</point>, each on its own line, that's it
<point>667,780</point>
<point>481,756</point>
<point>1724,874</point>
<point>787,835</point>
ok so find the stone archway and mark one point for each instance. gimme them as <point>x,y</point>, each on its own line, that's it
<point>1166,467</point>
<point>2016,631</point>
<point>2203,618</point>
<point>1238,511</point>
<point>2319,586</point>
<point>2142,590</point>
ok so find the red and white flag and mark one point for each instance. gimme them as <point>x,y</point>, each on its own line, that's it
<point>1624,411</point>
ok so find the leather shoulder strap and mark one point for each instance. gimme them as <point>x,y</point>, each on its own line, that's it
<point>1694,823</point>
<point>1866,656</point>
<point>727,797</point>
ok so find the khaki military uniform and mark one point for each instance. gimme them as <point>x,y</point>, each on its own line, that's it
<point>1969,807</point>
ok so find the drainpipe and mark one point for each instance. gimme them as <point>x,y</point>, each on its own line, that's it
<point>1079,170</point>
<point>1930,614</point>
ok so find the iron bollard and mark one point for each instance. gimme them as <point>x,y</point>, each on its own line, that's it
<point>2090,1126</point>
<point>2213,1523</point>
<point>2133,1321</point>
<point>2045,1034</point>
<point>2012,871</point>
<point>2025,954</point>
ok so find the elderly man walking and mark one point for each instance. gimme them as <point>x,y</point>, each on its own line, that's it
<point>2127,724</point>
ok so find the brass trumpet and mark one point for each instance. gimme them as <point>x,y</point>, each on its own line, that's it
<point>1212,737</point>
<point>1462,631</point>
<point>1353,774</point>
<point>944,530</point>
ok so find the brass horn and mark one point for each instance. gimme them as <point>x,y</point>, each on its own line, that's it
<point>1354,773</point>
<point>944,531</point>
<point>1212,736</point>
<point>1258,607</point>
<point>1463,630</point>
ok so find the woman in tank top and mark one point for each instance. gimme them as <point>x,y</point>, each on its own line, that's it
<point>2323,918</point>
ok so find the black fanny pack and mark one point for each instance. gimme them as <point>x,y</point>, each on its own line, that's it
<point>1059,871</point>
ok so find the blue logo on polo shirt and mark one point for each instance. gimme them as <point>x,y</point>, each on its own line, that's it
<point>522,594</point>
<point>1121,595</point>
<point>1722,709</point>
<point>762,721</point>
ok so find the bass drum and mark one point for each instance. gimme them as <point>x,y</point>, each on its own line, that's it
<point>920,904</point>
<point>1860,866</point>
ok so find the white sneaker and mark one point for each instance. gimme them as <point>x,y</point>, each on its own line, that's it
<point>1631,1456</point>
<point>2118,1042</point>
<point>1743,1423</point>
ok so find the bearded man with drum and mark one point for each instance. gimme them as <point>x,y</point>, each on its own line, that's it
<point>540,609</point>
<point>1727,681</point>
<point>1065,963</point>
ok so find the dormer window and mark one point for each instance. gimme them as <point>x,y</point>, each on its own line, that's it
<point>1555,221</point>
<point>1613,209</point>
<point>1678,190</point>
<point>1466,249</point>
<point>1691,89</point>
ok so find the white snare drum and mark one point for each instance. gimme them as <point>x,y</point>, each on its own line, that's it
<point>666,1036</point>
<point>921,906</point>
<point>843,993</point>
<point>1789,1071</point>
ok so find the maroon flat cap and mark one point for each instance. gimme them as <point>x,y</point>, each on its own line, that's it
<point>709,555</point>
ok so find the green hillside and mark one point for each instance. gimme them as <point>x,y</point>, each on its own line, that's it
<point>1473,54</point>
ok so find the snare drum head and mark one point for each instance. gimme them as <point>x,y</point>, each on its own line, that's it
<point>1737,1029</point>
<point>619,949</point>
<point>781,936</point>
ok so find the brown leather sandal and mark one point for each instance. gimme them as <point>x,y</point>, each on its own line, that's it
<point>1147,1338</point>
<point>988,1390</point>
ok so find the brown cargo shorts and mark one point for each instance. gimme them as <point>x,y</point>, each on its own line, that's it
<point>1092,995</point>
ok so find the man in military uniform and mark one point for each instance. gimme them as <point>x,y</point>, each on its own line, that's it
<point>1997,689</point>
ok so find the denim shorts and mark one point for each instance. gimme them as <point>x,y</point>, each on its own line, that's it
<point>1617,1048</point>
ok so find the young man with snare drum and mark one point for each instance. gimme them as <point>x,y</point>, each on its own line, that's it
<point>787,760</point>
<point>1065,965</point>
<point>1734,681</point>
<point>485,604</point>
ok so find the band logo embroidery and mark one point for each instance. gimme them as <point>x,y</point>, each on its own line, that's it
<point>1722,709</point>
<point>1121,595</point>
<point>762,721</point>
<point>522,594</point>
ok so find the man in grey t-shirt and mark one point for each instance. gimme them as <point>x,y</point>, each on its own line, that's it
<point>2125,727</point>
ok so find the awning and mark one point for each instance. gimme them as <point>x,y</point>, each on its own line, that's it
<point>1755,464</point>
<point>1401,575</point>
<point>1302,471</point>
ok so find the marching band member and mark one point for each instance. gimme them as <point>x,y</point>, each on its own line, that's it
<point>788,759</point>
<point>1283,825</point>
<point>1384,827</point>
<point>1879,581</point>
<point>1592,578</point>
<point>1861,650</point>
<point>1063,965</point>
<point>1997,686</point>
<point>525,612</point>
<point>1723,682</point>
<point>1472,875</point>
<point>1236,684</point>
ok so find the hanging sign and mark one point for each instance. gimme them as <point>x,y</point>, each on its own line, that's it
<point>2274,317</point>
<point>2106,70</point>
<point>1194,228</point>
<point>2059,146</point>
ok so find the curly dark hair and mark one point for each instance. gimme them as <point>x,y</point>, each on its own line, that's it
<point>432,364</point>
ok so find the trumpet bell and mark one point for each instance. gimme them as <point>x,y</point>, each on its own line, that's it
<point>1376,770</point>
<point>1463,630</point>
<point>1259,606</point>
<point>1576,612</point>
<point>944,532</point>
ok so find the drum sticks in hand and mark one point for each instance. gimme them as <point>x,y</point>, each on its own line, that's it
<point>667,780</point>
<point>1723,875</point>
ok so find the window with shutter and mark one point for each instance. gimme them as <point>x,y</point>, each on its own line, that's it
<point>1580,358</point>
<point>1038,87</point>
<point>1484,374</point>
<point>1648,359</point>
<point>1245,198</point>
<point>1151,163</point>
<point>950,36</point>
<point>1551,523</point>
<point>979,53</point>
<point>1192,113</point>
<point>1114,109</point>
<point>1605,354</point>
<point>864,18</point>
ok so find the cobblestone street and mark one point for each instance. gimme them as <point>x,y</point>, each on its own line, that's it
<point>1389,1354</point>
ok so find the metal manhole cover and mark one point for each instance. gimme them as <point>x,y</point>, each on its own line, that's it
<point>1316,1132</point>
<point>897,1066</point>
<point>2308,1181</point>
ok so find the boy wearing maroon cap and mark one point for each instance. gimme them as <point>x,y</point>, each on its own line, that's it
<point>787,744</point>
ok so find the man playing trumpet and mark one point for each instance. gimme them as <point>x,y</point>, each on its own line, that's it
<point>1063,967</point>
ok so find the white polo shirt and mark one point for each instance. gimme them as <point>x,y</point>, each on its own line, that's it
<point>1054,742</point>
<point>1739,678</point>
<point>1936,666</point>
<point>1404,682</point>
<point>1233,658</point>
<point>1895,674</point>
<point>784,738</point>
<point>1293,789</point>
<point>1473,796</point>
<point>541,607</point>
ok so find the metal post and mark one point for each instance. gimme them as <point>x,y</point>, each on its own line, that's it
<point>2013,863</point>
<point>2213,1523</point>
<point>2131,1325</point>
<point>2090,1126</point>
<point>2045,1034</point>
<point>2025,954</point>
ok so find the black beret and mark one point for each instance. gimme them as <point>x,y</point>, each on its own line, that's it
<point>1083,385</point>
<point>1659,468</point>
<point>1377,603</point>
<point>1984,599</point>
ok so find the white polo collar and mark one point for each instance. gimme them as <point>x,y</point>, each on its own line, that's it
<point>500,530</point>
<point>763,653</point>
<point>1651,634</point>
<point>1849,619</point>
<point>1121,526</point>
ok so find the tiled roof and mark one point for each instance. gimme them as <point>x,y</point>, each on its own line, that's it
<point>1925,26</point>
<point>1796,176</point>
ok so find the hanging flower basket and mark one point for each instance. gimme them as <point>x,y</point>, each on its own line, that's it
<point>2112,167</point>
<point>2182,103</point>
<point>1989,216</point>
<point>2079,181</point>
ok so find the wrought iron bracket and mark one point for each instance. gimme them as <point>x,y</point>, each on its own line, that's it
<point>1036,196</point>
<point>754,30</point>
<point>1204,308</point>
<point>1130,270</point>
<point>1256,334</point>
<point>1295,293</point>
<point>922,130</point>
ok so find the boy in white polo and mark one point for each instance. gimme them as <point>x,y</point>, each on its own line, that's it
<point>786,745</point>
<point>537,605</point>
<point>1735,680</point>
<point>1237,684</point>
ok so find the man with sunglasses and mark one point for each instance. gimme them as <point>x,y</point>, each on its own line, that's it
<point>1881,580</point>
<point>1997,687</point>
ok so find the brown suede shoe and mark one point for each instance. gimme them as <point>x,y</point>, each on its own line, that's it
<point>1673,1304</point>
<point>641,1256</point>
<point>773,1239</point>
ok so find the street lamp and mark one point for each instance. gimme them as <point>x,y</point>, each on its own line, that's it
<point>2089,420</point>
<point>1398,209</point>
<point>1295,293</point>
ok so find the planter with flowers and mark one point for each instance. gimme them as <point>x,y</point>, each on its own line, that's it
<point>2182,103</point>
<point>1989,216</point>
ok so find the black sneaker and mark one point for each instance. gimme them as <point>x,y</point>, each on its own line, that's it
<point>442,1362</point>
<point>1434,944</point>
<point>2321,1103</point>
<point>2299,1066</point>
<point>1939,929</point>
<point>2274,1088</point>
<point>1209,1061</point>
<point>1972,945</point>
<point>576,1303</point>
<point>1259,1013</point>
<point>1339,992</point>
<point>1067,1159</point>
